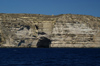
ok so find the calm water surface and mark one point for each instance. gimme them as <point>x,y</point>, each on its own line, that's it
<point>49,57</point>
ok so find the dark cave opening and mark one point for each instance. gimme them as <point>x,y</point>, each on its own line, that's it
<point>36,27</point>
<point>22,41</point>
<point>41,33</point>
<point>0,40</point>
<point>43,43</point>
<point>28,27</point>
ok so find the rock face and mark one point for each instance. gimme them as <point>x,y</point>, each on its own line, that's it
<point>36,30</point>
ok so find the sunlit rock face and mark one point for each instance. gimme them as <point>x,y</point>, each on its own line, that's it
<point>45,31</point>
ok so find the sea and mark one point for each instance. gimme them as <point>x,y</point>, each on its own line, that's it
<point>49,56</point>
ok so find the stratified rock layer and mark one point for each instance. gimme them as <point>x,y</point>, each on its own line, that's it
<point>36,30</point>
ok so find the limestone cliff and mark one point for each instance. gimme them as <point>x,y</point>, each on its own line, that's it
<point>36,30</point>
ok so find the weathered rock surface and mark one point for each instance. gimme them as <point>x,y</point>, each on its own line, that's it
<point>36,30</point>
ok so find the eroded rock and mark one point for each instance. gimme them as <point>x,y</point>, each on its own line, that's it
<point>36,30</point>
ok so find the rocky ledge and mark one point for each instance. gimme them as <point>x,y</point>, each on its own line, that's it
<point>45,31</point>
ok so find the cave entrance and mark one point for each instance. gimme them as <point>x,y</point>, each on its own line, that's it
<point>43,43</point>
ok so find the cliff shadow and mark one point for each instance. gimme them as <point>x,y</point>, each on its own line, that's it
<point>43,42</point>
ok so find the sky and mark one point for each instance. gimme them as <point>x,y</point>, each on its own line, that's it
<point>51,7</point>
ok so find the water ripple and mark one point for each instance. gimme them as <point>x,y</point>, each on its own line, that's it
<point>51,57</point>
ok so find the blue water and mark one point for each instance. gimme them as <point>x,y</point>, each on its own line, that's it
<point>49,57</point>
